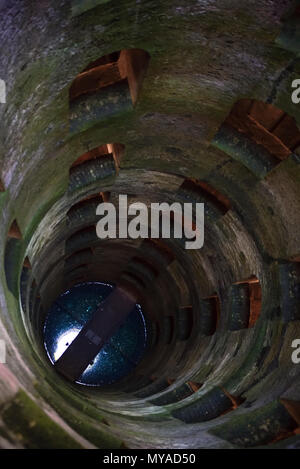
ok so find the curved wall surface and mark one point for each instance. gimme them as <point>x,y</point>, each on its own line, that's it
<point>164,101</point>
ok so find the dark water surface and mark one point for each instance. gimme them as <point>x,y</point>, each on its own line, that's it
<point>66,318</point>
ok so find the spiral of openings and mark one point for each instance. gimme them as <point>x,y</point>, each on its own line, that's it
<point>209,315</point>
<point>258,135</point>
<point>107,87</point>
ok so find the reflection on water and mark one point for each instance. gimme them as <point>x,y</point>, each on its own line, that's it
<point>63,341</point>
<point>66,318</point>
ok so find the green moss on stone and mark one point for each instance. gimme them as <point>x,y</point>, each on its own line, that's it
<point>33,427</point>
<point>258,427</point>
<point>79,416</point>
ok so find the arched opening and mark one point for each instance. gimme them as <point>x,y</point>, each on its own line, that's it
<point>2,188</point>
<point>12,250</point>
<point>215,203</point>
<point>210,311</point>
<point>185,322</point>
<point>14,231</point>
<point>95,165</point>
<point>107,87</point>
<point>245,303</point>
<point>258,134</point>
<point>25,275</point>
